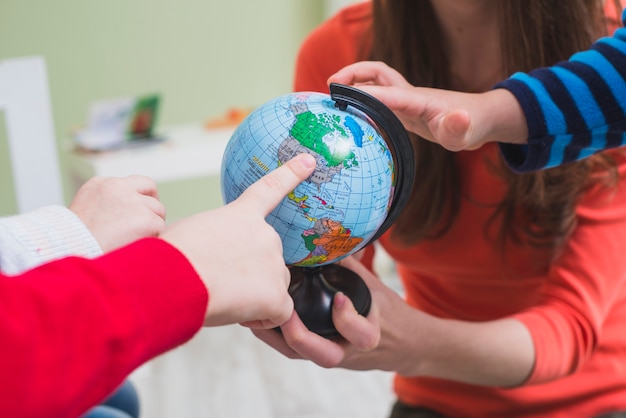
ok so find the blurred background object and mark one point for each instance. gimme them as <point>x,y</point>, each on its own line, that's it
<point>31,143</point>
<point>119,122</point>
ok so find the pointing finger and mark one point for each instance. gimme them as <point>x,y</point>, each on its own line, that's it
<point>269,190</point>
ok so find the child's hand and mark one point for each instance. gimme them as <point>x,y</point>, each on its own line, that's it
<point>239,255</point>
<point>457,121</point>
<point>119,210</point>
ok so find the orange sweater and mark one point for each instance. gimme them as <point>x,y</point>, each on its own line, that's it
<point>575,307</point>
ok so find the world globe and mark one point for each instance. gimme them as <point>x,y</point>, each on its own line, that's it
<point>348,201</point>
<point>342,204</point>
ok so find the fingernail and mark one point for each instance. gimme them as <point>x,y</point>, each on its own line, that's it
<point>340,299</point>
<point>307,160</point>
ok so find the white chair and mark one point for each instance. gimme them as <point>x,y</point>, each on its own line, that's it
<point>25,99</point>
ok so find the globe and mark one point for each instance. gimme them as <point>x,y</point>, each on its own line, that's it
<point>339,208</point>
<point>362,179</point>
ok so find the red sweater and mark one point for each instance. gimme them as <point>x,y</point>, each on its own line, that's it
<point>575,307</point>
<point>73,329</point>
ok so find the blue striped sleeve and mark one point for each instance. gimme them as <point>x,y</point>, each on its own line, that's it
<point>573,109</point>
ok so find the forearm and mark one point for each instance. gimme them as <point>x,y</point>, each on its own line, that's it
<point>574,109</point>
<point>500,114</point>
<point>494,353</point>
<point>45,234</point>
<point>103,318</point>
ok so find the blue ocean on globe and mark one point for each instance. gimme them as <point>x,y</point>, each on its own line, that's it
<point>339,208</point>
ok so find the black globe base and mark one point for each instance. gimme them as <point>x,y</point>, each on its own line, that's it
<point>313,289</point>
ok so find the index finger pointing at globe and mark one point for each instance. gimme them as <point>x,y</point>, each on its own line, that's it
<point>267,192</point>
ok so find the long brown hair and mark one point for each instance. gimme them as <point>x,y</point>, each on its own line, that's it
<point>539,207</point>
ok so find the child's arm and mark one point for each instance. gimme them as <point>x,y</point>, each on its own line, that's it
<point>545,118</point>
<point>457,121</point>
<point>573,109</point>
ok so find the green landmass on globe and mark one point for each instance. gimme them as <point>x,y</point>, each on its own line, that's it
<point>310,129</point>
<point>340,207</point>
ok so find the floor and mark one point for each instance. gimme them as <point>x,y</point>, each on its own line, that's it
<point>227,373</point>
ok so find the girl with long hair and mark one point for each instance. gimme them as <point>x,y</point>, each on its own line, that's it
<point>515,284</point>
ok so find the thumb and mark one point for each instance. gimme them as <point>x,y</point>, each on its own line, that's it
<point>451,130</point>
<point>269,190</point>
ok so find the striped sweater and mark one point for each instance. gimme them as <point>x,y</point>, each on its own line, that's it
<point>573,109</point>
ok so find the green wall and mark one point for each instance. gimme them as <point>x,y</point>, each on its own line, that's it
<point>202,56</point>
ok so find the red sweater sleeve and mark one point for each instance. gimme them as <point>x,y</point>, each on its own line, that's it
<point>582,288</point>
<point>73,329</point>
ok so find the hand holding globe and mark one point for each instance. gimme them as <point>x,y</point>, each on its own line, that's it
<point>363,177</point>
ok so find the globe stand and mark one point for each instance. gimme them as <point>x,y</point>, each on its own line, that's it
<point>313,290</point>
